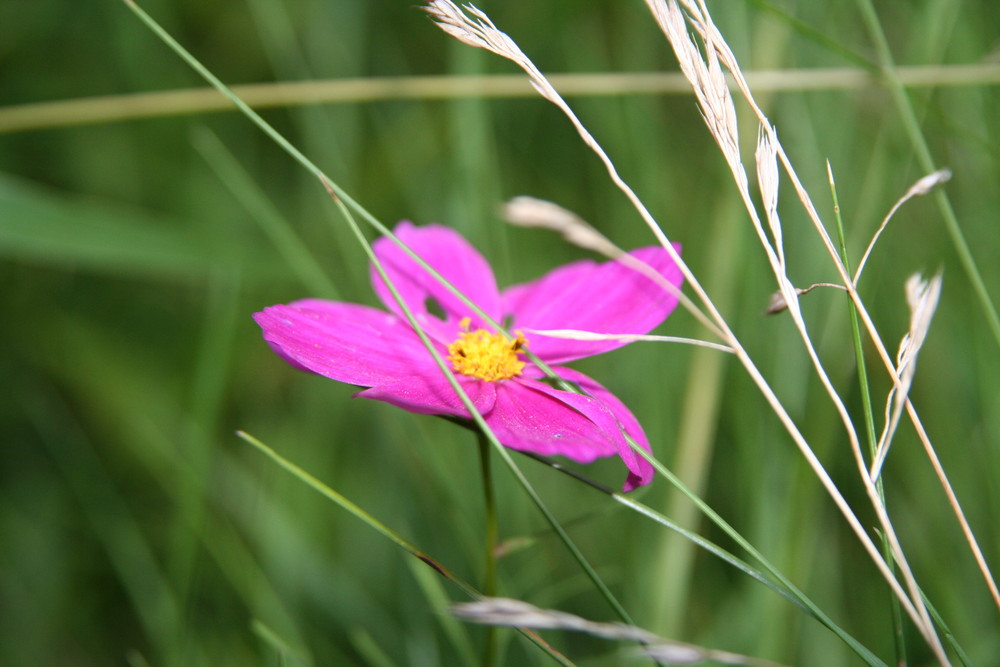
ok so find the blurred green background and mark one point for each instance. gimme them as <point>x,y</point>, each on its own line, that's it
<point>135,526</point>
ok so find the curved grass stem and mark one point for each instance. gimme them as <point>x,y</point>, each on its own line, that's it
<point>908,116</point>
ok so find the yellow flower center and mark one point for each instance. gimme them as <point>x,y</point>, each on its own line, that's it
<point>485,355</point>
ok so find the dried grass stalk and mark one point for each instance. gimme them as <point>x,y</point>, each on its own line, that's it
<point>668,13</point>
<point>705,67</point>
<point>516,613</point>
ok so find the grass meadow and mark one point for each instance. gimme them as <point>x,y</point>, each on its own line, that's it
<point>139,234</point>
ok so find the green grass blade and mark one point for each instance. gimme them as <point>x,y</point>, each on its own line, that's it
<point>42,226</point>
<point>899,642</point>
<point>128,549</point>
<point>298,258</point>
<point>454,630</point>
<point>356,511</point>
<point>289,657</point>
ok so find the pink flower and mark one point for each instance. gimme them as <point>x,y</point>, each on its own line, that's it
<point>379,350</point>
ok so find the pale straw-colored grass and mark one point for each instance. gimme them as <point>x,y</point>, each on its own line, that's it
<point>700,19</point>
<point>711,68</point>
<point>769,152</point>
<point>164,103</point>
<point>520,614</point>
<point>922,297</point>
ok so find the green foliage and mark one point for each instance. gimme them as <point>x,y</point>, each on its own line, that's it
<point>134,523</point>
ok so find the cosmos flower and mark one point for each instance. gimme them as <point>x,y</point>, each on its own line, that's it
<point>379,350</point>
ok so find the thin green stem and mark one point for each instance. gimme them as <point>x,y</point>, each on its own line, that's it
<point>773,578</point>
<point>492,535</point>
<point>689,535</point>
<point>801,598</point>
<point>899,640</point>
<point>358,512</point>
<point>390,534</point>
<point>946,632</point>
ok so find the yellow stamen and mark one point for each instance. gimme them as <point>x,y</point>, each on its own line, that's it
<point>485,355</point>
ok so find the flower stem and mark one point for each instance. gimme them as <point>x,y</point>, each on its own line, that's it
<point>492,533</point>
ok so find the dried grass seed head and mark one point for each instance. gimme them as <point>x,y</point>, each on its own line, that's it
<point>526,211</point>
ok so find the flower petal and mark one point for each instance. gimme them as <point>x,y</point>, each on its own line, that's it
<point>432,394</point>
<point>640,471</point>
<point>346,342</point>
<point>601,298</point>
<point>450,255</point>
<point>532,416</point>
